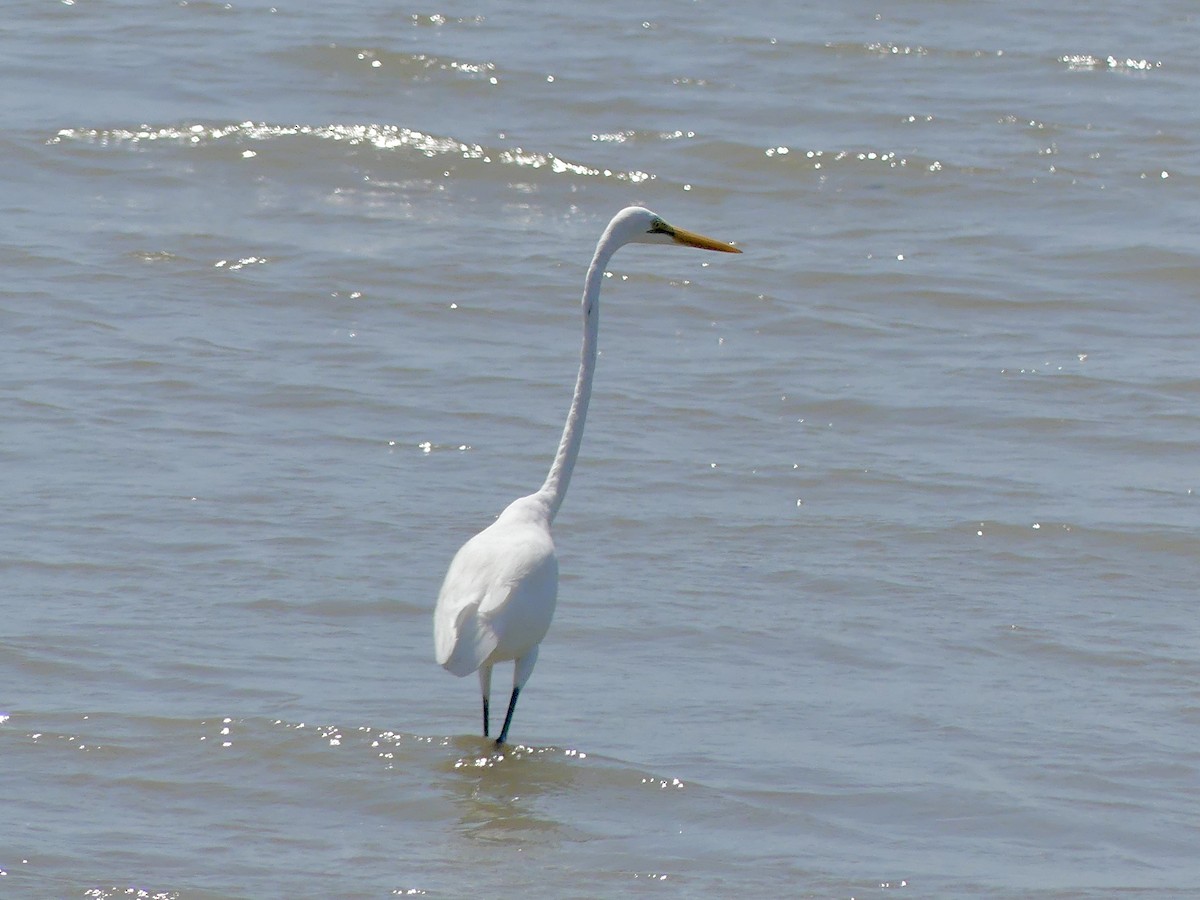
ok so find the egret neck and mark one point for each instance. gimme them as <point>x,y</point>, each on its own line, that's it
<point>555,486</point>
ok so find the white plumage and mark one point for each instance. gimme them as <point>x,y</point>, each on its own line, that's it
<point>499,594</point>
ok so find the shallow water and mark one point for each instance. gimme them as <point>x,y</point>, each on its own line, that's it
<point>880,561</point>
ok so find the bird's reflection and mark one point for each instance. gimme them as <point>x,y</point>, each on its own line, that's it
<point>498,791</point>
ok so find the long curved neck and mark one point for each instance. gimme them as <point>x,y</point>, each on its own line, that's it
<point>554,489</point>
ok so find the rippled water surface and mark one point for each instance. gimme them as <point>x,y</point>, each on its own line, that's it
<point>879,563</point>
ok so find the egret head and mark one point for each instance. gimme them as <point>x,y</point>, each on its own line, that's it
<point>641,226</point>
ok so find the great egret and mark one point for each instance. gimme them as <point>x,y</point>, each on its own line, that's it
<point>500,591</point>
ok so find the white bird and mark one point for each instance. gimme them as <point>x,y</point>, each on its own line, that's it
<point>500,591</point>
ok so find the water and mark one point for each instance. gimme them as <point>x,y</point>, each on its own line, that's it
<point>880,561</point>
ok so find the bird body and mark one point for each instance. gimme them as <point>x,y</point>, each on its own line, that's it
<point>501,589</point>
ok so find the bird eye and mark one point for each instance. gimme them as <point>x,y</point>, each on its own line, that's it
<point>658,226</point>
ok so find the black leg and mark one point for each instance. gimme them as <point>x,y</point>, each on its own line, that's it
<point>485,716</point>
<point>512,704</point>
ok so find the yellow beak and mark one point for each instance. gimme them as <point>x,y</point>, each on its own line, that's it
<point>691,239</point>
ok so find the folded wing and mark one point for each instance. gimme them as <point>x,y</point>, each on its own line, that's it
<point>498,597</point>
